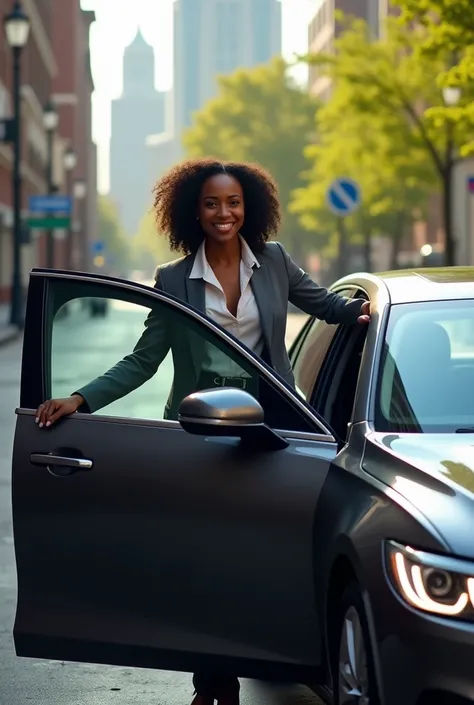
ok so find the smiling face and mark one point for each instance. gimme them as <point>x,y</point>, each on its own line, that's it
<point>221,207</point>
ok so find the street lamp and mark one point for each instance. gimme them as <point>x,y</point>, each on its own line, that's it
<point>69,162</point>
<point>50,123</point>
<point>17,29</point>
<point>451,96</point>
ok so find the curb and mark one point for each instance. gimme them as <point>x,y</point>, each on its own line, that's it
<point>8,334</point>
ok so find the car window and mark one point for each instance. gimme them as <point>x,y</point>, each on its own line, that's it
<point>427,369</point>
<point>337,385</point>
<point>318,339</point>
<point>131,334</point>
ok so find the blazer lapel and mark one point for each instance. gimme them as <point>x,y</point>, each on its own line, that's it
<point>195,297</point>
<point>261,287</point>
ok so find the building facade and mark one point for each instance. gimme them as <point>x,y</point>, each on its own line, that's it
<point>72,95</point>
<point>39,67</point>
<point>323,30</point>
<point>139,112</point>
<point>215,37</point>
<point>54,66</point>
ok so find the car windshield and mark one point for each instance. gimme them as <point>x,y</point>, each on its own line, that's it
<point>426,380</point>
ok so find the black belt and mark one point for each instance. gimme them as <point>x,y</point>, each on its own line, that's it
<point>208,380</point>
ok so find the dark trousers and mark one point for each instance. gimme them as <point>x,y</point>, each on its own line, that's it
<point>213,685</point>
<point>210,684</point>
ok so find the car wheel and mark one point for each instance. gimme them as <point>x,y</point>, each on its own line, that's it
<point>353,664</point>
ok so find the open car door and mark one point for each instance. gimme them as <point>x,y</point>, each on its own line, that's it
<point>141,543</point>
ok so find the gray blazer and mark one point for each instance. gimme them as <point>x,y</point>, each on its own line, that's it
<point>276,282</point>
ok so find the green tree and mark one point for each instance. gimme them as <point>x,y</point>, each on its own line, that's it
<point>149,248</point>
<point>384,154</point>
<point>449,34</point>
<point>391,79</point>
<point>111,233</point>
<point>260,115</point>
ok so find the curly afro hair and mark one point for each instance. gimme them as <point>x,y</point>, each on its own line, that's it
<point>177,196</point>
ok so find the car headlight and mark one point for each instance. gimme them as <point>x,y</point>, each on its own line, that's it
<point>433,583</point>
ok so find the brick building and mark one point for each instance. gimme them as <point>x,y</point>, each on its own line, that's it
<point>323,30</point>
<point>72,90</point>
<point>39,66</point>
<point>55,64</point>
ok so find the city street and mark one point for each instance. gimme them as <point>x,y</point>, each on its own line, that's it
<point>52,683</point>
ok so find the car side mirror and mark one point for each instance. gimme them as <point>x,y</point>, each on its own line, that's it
<point>227,411</point>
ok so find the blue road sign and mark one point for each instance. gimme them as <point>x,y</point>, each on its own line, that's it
<point>98,247</point>
<point>343,196</point>
<point>50,204</point>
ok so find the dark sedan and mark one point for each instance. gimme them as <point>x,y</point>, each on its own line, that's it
<point>322,536</point>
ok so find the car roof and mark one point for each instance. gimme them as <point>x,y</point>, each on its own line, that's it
<point>425,284</point>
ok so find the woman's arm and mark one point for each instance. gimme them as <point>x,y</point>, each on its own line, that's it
<point>135,369</point>
<point>317,301</point>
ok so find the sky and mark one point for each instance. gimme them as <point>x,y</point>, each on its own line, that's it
<point>115,27</point>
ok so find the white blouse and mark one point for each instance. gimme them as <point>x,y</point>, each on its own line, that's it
<point>245,326</point>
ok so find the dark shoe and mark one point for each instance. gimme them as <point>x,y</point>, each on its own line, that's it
<point>201,700</point>
<point>231,698</point>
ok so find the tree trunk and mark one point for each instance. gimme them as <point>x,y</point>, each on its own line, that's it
<point>449,241</point>
<point>397,237</point>
<point>368,250</point>
<point>342,249</point>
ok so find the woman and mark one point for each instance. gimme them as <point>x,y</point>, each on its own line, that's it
<point>220,217</point>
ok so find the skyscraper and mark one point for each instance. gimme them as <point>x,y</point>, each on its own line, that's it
<point>214,37</point>
<point>138,112</point>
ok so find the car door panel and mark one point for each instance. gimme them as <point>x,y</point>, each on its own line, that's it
<point>168,534</point>
<point>172,548</point>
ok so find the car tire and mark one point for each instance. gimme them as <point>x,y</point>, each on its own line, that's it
<point>353,672</point>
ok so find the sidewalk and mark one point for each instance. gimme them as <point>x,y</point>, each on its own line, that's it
<point>7,331</point>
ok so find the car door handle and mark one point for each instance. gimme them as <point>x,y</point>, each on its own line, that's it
<point>60,460</point>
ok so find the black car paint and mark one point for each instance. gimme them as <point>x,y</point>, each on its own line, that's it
<point>348,543</point>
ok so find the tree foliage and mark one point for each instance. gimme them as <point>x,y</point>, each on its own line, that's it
<point>149,248</point>
<point>259,115</point>
<point>448,35</point>
<point>385,123</point>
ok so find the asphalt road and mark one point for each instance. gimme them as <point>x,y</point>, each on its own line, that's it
<point>53,683</point>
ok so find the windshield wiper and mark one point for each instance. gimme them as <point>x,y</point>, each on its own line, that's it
<point>465,430</point>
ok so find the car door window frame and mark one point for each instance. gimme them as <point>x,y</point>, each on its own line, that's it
<point>38,369</point>
<point>332,368</point>
<point>297,347</point>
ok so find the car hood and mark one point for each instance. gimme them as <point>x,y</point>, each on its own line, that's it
<point>435,473</point>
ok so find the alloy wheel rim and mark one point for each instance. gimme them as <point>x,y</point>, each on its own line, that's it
<point>353,683</point>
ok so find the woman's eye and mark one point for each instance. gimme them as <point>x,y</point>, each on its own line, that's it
<point>235,203</point>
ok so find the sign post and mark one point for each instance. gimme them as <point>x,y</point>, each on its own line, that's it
<point>469,235</point>
<point>343,198</point>
<point>98,250</point>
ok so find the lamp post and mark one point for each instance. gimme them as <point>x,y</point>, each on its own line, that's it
<point>17,29</point>
<point>69,162</point>
<point>50,123</point>
<point>451,97</point>
<point>80,193</point>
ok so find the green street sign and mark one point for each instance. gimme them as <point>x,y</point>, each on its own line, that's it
<point>49,223</point>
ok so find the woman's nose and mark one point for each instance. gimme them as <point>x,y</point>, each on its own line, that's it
<point>224,211</point>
